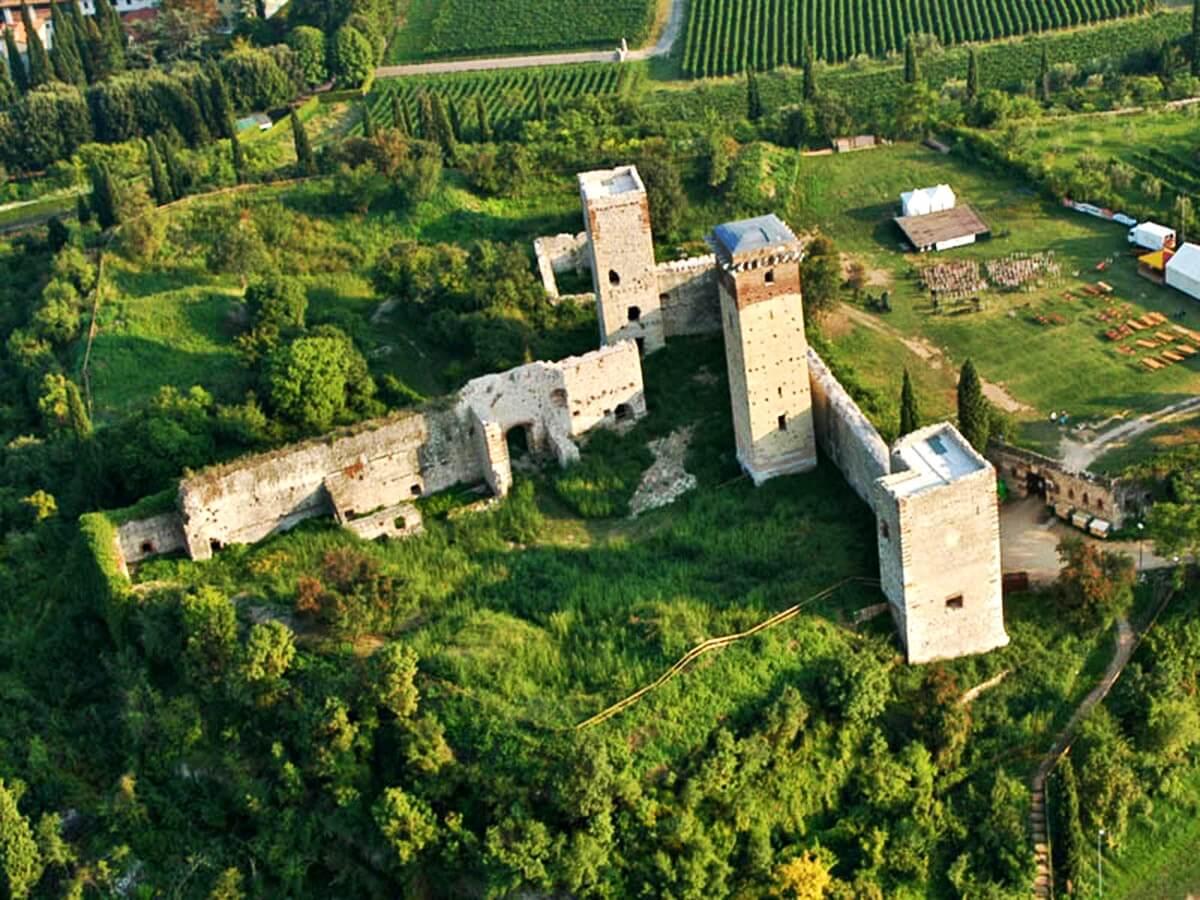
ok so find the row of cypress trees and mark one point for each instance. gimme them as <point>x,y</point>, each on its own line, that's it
<point>86,49</point>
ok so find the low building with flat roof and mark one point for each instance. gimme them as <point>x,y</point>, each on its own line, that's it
<point>943,230</point>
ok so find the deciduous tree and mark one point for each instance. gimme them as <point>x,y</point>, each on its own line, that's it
<point>21,862</point>
<point>1096,585</point>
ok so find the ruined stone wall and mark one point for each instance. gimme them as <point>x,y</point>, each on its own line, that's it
<point>153,536</point>
<point>844,434</point>
<point>1113,500</point>
<point>766,353</point>
<point>687,291</point>
<point>939,551</point>
<point>560,253</point>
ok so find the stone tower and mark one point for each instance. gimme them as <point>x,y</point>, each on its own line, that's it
<point>762,313</point>
<point>939,546</point>
<point>617,214</point>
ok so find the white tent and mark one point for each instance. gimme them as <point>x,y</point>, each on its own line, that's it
<point>1183,270</point>
<point>928,200</point>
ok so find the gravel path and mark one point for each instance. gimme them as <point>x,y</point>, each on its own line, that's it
<point>663,47</point>
<point>1078,456</point>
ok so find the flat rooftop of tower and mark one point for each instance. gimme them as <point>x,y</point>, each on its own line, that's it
<point>933,456</point>
<point>611,182</point>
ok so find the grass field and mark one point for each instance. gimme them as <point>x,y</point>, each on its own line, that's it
<point>168,322</point>
<point>1069,367</point>
<point>440,28</point>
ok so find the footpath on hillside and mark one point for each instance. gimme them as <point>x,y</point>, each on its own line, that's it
<point>662,47</point>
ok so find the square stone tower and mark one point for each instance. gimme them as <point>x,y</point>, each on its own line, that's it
<point>939,546</point>
<point>762,313</point>
<point>617,215</point>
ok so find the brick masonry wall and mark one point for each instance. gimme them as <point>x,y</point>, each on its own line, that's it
<point>687,291</point>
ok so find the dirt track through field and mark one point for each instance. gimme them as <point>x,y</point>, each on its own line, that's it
<point>662,47</point>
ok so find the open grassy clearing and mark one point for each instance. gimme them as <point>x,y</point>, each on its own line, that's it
<point>446,28</point>
<point>1069,367</point>
<point>172,320</point>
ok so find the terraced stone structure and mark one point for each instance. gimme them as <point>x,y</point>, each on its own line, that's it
<point>616,213</point>
<point>762,315</point>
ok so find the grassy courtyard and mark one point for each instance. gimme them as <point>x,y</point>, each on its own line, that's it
<point>1069,367</point>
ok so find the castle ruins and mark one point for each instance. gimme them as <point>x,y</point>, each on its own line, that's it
<point>934,498</point>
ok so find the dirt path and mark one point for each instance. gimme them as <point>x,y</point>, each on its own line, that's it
<point>1037,817</point>
<point>662,47</point>
<point>923,349</point>
<point>1078,456</point>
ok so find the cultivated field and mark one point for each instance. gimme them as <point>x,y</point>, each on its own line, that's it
<point>727,36</point>
<point>440,28</point>
<point>510,94</point>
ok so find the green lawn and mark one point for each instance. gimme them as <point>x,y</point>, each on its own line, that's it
<point>1158,859</point>
<point>1069,367</point>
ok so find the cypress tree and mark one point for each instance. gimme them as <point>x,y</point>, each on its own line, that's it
<point>455,120</point>
<point>973,75</point>
<point>83,209</point>
<point>912,65</point>
<point>1196,38</point>
<point>910,418</point>
<point>367,122</point>
<point>442,129</point>
<point>305,160</point>
<point>222,106</point>
<point>485,126</point>
<point>425,112</point>
<point>158,178</point>
<point>104,197</point>
<point>239,158</point>
<point>40,70</point>
<point>543,113</point>
<point>754,107</point>
<point>398,114</point>
<point>974,414</point>
<point>95,58</point>
<point>8,90</point>
<point>177,176</point>
<point>1043,82</point>
<point>68,63</point>
<point>810,75</point>
<point>16,65</point>
<point>113,37</point>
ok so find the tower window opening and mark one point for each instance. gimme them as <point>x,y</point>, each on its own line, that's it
<point>635,313</point>
<point>613,278</point>
<point>783,423</point>
<point>769,278</point>
<point>955,602</point>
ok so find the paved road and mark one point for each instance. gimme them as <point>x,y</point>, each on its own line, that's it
<point>663,47</point>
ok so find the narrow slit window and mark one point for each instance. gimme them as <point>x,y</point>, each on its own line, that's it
<point>955,602</point>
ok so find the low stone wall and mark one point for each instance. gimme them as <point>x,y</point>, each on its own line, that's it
<point>560,253</point>
<point>1025,472</point>
<point>844,434</point>
<point>153,536</point>
<point>687,290</point>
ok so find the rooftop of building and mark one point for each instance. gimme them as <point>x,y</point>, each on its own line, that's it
<point>936,228</point>
<point>611,182</point>
<point>750,240</point>
<point>932,457</point>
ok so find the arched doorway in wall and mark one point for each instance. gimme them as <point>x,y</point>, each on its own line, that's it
<point>521,444</point>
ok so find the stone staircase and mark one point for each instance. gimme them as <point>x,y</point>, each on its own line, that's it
<point>1043,882</point>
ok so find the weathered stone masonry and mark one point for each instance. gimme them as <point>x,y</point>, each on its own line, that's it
<point>368,477</point>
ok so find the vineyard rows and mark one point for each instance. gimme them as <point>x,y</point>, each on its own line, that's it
<point>724,37</point>
<point>508,95</point>
<point>465,27</point>
<point>1176,173</point>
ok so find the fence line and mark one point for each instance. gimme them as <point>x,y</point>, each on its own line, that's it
<point>715,644</point>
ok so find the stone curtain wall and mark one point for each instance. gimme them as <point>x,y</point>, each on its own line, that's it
<point>687,290</point>
<point>560,253</point>
<point>367,477</point>
<point>845,435</point>
<point>144,538</point>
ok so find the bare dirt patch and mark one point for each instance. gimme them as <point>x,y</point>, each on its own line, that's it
<point>666,480</point>
<point>1003,399</point>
